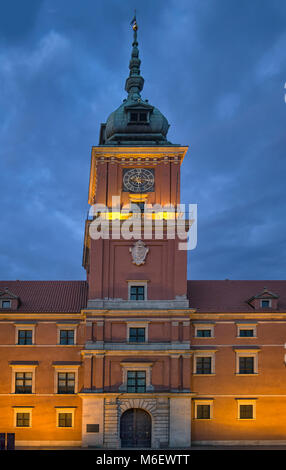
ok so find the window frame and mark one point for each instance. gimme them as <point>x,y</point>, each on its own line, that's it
<point>6,300</point>
<point>23,369</point>
<point>204,326</point>
<point>64,369</point>
<point>136,293</point>
<point>136,379</point>
<point>137,325</point>
<point>246,353</point>
<point>269,303</point>
<point>65,410</point>
<point>22,410</point>
<point>67,331</point>
<point>199,402</point>
<point>204,354</point>
<point>24,327</point>
<point>66,380</point>
<point>247,326</point>
<point>66,327</point>
<point>246,402</point>
<point>137,121</point>
<point>138,283</point>
<point>140,367</point>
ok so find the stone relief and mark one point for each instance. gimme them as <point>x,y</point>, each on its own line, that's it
<point>139,252</point>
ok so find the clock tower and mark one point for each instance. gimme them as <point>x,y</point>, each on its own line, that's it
<point>138,312</point>
<point>135,165</point>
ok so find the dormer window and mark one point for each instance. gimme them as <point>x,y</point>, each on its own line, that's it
<point>265,299</point>
<point>8,300</point>
<point>138,117</point>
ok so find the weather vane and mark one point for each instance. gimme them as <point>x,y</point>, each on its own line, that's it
<point>134,22</point>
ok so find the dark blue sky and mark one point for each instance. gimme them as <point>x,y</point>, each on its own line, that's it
<point>215,68</point>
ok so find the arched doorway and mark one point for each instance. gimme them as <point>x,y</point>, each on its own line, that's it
<point>135,428</point>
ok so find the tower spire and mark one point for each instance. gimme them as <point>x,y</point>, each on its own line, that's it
<point>134,83</point>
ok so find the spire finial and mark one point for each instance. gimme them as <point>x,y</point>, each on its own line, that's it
<point>134,83</point>
<point>134,22</point>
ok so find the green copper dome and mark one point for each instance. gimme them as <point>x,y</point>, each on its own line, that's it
<point>135,121</point>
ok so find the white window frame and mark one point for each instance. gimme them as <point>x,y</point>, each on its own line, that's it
<point>62,326</point>
<point>246,402</point>
<point>246,353</point>
<point>203,402</point>
<point>140,367</point>
<point>65,410</point>
<point>28,327</point>
<point>20,409</point>
<point>246,326</point>
<point>137,325</point>
<point>23,368</point>
<point>65,369</point>
<point>204,326</point>
<point>137,284</point>
<point>204,354</point>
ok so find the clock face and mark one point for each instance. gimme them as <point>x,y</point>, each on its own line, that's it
<point>138,180</point>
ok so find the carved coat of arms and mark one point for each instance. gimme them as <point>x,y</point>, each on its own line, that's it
<point>139,252</point>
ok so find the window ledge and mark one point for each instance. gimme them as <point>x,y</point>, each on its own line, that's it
<point>202,419</point>
<point>204,337</point>
<point>247,375</point>
<point>246,419</point>
<point>246,337</point>
<point>204,375</point>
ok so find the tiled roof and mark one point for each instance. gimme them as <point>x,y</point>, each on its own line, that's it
<point>232,296</point>
<point>48,296</point>
<point>205,296</point>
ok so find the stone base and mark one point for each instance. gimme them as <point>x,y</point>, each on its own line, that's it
<point>171,419</point>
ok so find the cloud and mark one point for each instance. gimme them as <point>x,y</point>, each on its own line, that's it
<point>273,61</point>
<point>215,69</point>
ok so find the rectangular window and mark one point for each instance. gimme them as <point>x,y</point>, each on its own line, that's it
<point>23,382</point>
<point>134,117</point>
<point>203,365</point>
<point>245,411</point>
<point>203,412</point>
<point>6,304</point>
<point>143,117</point>
<point>249,333</point>
<point>25,336</point>
<point>65,420</point>
<point>138,117</point>
<point>23,420</point>
<point>137,335</point>
<point>66,382</point>
<point>136,381</point>
<point>137,292</point>
<point>66,336</point>
<point>265,303</point>
<point>204,333</point>
<point>246,365</point>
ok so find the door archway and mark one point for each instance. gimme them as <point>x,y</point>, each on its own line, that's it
<point>135,428</point>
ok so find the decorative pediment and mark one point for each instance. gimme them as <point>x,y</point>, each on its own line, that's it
<point>264,299</point>
<point>138,106</point>
<point>7,294</point>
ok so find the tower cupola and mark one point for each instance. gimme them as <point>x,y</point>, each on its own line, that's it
<point>135,121</point>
